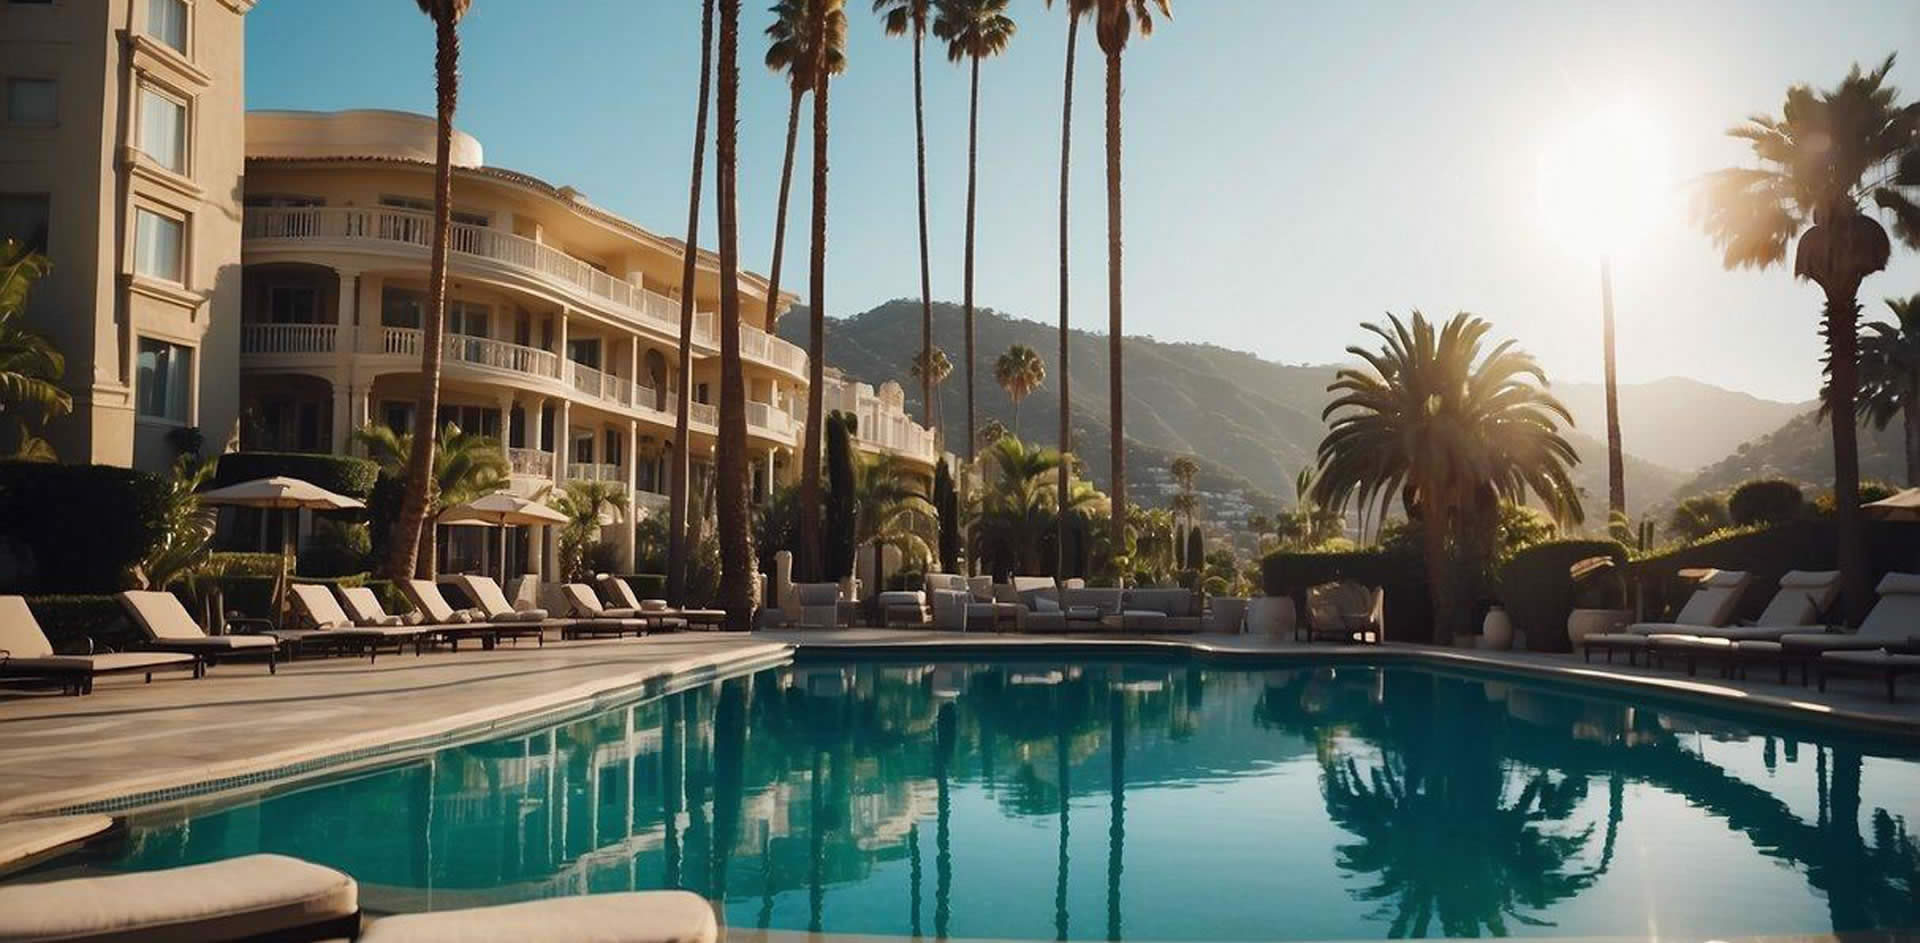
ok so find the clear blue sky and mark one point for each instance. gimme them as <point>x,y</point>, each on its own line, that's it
<point>1292,169</point>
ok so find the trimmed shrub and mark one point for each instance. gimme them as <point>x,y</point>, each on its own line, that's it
<point>69,621</point>
<point>340,474</point>
<point>1870,491</point>
<point>237,563</point>
<point>1767,553</point>
<point>1698,516</point>
<point>75,528</point>
<point>253,595</point>
<point>1538,591</point>
<point>1766,501</point>
<point>1409,610</point>
<point>336,548</point>
<point>647,585</point>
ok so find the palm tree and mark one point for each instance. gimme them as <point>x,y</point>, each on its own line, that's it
<point>992,431</point>
<point>1020,506</point>
<point>1076,9</point>
<point>1890,376</point>
<point>1019,371</point>
<point>730,459</point>
<point>901,18</point>
<point>30,367</point>
<point>1820,162</point>
<point>587,505</point>
<point>888,509</point>
<point>466,466</point>
<point>401,561</point>
<point>678,551</point>
<point>1114,23</point>
<point>932,367</point>
<point>791,51</point>
<point>1698,516</point>
<point>828,18</point>
<point>1448,430</point>
<point>973,30</point>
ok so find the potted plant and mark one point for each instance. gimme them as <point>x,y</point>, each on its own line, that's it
<point>1599,599</point>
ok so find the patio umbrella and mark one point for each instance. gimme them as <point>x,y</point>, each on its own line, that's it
<point>280,493</point>
<point>502,509</point>
<point>1904,506</point>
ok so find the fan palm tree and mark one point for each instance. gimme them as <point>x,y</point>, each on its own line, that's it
<point>1076,10</point>
<point>30,367</point>
<point>827,18</point>
<point>1019,371</point>
<point>932,367</point>
<point>1821,161</point>
<point>991,431</point>
<point>678,549</point>
<point>1890,376</point>
<point>973,30</point>
<point>466,466</point>
<point>588,505</point>
<point>1450,431</point>
<point>412,521</point>
<point>791,50</point>
<point>909,18</point>
<point>888,511</point>
<point>1020,505</point>
<point>1114,24</point>
<point>730,459</point>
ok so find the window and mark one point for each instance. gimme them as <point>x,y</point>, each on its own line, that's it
<point>281,200</point>
<point>165,380</point>
<point>465,317</point>
<point>612,450</point>
<point>472,420</point>
<point>582,449</point>
<point>23,217</point>
<point>167,22</point>
<point>407,203</point>
<point>32,101</point>
<point>292,304</point>
<point>163,129</point>
<point>401,308</point>
<point>481,220</point>
<point>159,246</point>
<point>398,415</point>
<point>584,351</point>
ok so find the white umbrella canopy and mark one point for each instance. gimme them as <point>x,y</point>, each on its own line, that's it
<point>502,509</point>
<point>1904,506</point>
<point>280,493</point>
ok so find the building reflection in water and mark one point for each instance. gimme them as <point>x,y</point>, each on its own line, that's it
<point>800,797</point>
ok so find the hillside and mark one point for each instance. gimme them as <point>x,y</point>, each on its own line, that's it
<point>1252,423</point>
<point>1662,420</point>
<point>1801,450</point>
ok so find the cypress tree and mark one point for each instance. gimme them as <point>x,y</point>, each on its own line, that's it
<point>840,505</point>
<point>1196,548</point>
<point>946,506</point>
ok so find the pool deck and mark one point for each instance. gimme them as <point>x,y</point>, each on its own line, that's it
<point>133,745</point>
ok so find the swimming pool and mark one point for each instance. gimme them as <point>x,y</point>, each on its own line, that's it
<point>1128,799</point>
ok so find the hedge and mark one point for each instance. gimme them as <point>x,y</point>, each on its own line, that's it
<point>1409,609</point>
<point>253,595</point>
<point>1538,591</point>
<point>69,621</point>
<point>72,529</point>
<point>647,585</point>
<point>1766,501</point>
<point>1807,544</point>
<point>341,474</point>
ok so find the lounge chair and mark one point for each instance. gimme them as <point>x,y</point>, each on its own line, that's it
<point>1894,622</point>
<point>334,629</point>
<point>25,654</point>
<point>426,597</point>
<point>1802,598</point>
<point>628,917</point>
<point>623,597</point>
<point>170,628</point>
<point>255,897</point>
<point>1712,605</point>
<point>1888,665</point>
<point>1345,610</point>
<point>592,618</point>
<point>363,605</point>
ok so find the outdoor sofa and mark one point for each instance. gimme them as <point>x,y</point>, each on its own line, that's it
<point>170,628</point>
<point>27,655</point>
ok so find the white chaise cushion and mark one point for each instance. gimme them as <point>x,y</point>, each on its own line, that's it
<point>255,895</point>
<point>632,917</point>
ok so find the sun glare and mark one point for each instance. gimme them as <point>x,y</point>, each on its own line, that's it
<point>1603,180</point>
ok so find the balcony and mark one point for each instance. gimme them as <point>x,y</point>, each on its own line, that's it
<point>590,471</point>
<point>530,463</point>
<point>287,338</point>
<point>384,226</point>
<point>768,422</point>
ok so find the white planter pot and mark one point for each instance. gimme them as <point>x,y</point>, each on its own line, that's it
<point>1270,615</point>
<point>1496,632</point>
<point>1227,614</point>
<point>1584,622</point>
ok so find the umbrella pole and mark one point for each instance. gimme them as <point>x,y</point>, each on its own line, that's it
<point>280,585</point>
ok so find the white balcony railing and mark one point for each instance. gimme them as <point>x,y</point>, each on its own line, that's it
<point>769,421</point>
<point>530,462</point>
<point>287,338</point>
<point>591,471</point>
<point>704,413</point>
<point>482,351</point>
<point>601,386</point>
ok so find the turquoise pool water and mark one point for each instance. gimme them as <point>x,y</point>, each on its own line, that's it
<point>1153,800</point>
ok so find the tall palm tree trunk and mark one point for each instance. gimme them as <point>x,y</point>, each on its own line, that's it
<point>736,563</point>
<point>1843,313</point>
<point>1616,459</point>
<point>682,454</point>
<point>1116,384</point>
<point>1440,575</point>
<point>780,212</point>
<point>1910,415</point>
<point>926,275</point>
<point>403,559</point>
<point>1066,395</point>
<point>812,553</point>
<point>973,159</point>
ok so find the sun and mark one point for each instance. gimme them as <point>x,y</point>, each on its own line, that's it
<point>1603,180</point>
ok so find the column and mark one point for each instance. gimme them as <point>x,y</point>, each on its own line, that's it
<point>768,494</point>
<point>362,404</point>
<point>562,439</point>
<point>506,424</point>
<point>536,417</point>
<point>342,416</point>
<point>631,456</point>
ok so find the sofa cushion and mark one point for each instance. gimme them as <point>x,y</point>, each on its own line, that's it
<point>1174,601</point>
<point>254,895</point>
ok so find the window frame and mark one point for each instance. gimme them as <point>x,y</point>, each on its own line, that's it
<point>147,27</point>
<point>6,88</point>
<point>184,258</point>
<point>185,103</point>
<point>189,396</point>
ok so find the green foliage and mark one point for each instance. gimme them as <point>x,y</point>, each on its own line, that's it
<point>1018,521</point>
<point>650,545</point>
<point>71,622</point>
<point>946,506</point>
<point>336,548</point>
<point>776,524</point>
<point>186,536</point>
<point>1196,547</point>
<point>1698,516</point>
<point>1537,587</point>
<point>383,507</point>
<point>647,585</point>
<point>1765,501</point>
<point>30,366</point>
<point>251,594</point>
<point>586,505</point>
<point>340,474</point>
<point>229,563</point>
<point>76,528</point>
<point>841,504</point>
<point>1870,491</point>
